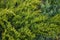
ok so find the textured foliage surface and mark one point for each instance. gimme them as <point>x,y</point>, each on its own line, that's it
<point>29,19</point>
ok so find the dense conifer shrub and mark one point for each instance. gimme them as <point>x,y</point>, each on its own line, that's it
<point>29,19</point>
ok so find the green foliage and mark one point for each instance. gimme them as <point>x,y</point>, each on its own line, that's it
<point>29,19</point>
<point>50,7</point>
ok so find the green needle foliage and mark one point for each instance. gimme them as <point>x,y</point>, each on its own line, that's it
<point>29,19</point>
